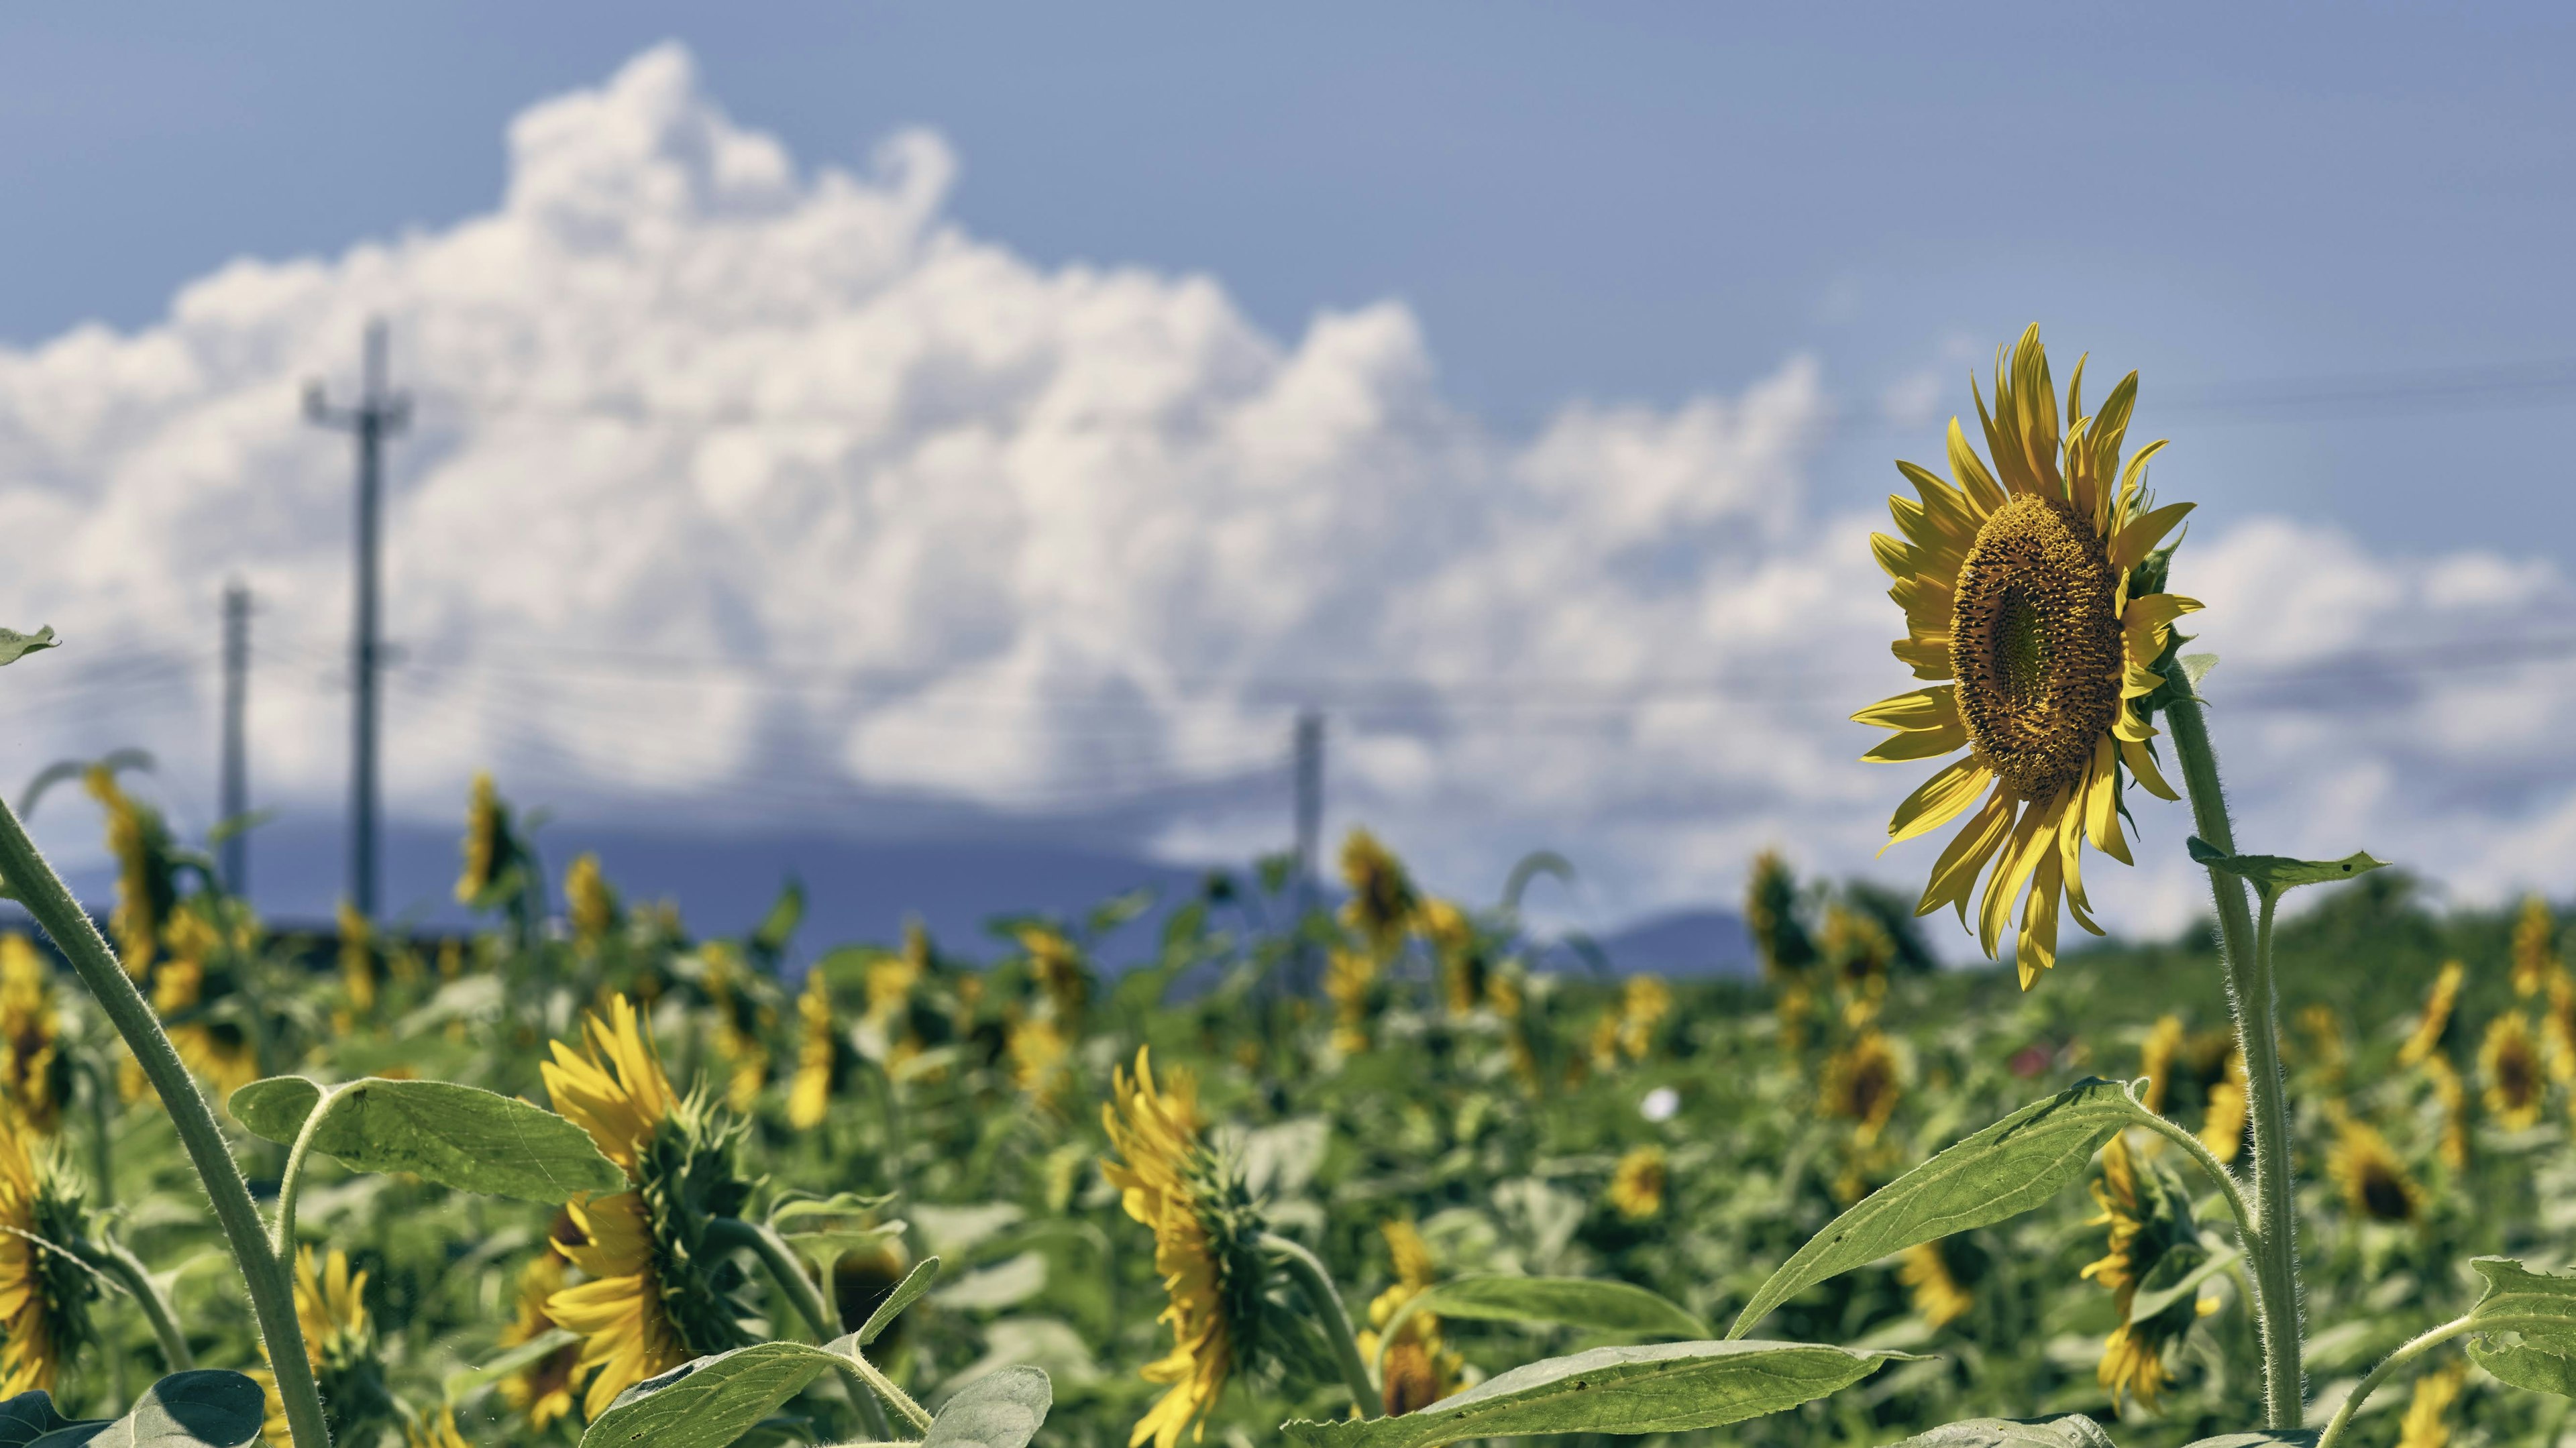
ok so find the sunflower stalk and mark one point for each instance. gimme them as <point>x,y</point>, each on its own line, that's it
<point>114,1261</point>
<point>2352,1401</point>
<point>290,1183</point>
<point>780,1259</point>
<point>1330,1316</point>
<point>31,878</point>
<point>2256,1005</point>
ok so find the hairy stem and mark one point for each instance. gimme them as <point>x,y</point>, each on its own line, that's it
<point>290,1183</point>
<point>112,1259</point>
<point>2257,1010</point>
<point>780,1259</point>
<point>1326,1300</point>
<point>2352,1402</point>
<point>272,1294</point>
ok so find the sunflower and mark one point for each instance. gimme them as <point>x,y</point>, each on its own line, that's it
<point>145,890</point>
<point>1938,1298</point>
<point>2535,947</point>
<point>818,1055</point>
<point>1860,952</point>
<point>1383,903</point>
<point>340,1346</point>
<point>2222,1128</point>
<point>588,901</point>
<point>2033,606</point>
<point>543,1389</point>
<point>437,1432</point>
<point>1205,1235</point>
<point>487,840</point>
<point>2452,1094</point>
<point>44,1294</point>
<point>739,1021</point>
<point>1466,964</point>
<point>2426,1041</point>
<point>2509,1060</point>
<point>2152,1239</point>
<point>1862,1084</point>
<point>33,1069</point>
<point>1058,969</point>
<point>1643,1004</point>
<point>657,1294</point>
<point>2374,1182</point>
<point>1636,1189</point>
<point>1420,1370</point>
<point>1350,982</point>
<point>1037,1049</point>
<point>2428,1413</point>
<point>2156,1061</point>
<point>357,958</point>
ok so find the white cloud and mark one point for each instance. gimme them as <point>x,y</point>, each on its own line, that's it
<point>942,525</point>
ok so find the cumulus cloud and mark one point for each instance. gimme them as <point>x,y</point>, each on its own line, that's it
<point>737,485</point>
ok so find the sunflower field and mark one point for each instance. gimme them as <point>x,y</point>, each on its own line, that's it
<point>1392,1170</point>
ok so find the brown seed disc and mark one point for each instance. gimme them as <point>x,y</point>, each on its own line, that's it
<point>2035,644</point>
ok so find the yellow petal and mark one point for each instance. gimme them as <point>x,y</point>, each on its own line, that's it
<point>2141,535</point>
<point>1982,491</point>
<point>1938,801</point>
<point>1893,554</point>
<point>2036,950</point>
<point>2013,866</point>
<point>1954,875</point>
<point>1945,508</point>
<point>2102,802</point>
<point>1919,744</point>
<point>2146,625</point>
<point>1928,656</point>
<point>2137,683</point>
<point>1933,708</point>
<point>2143,765</point>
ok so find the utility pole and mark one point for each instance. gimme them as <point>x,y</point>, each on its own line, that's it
<point>1310,829</point>
<point>236,754</point>
<point>379,414</point>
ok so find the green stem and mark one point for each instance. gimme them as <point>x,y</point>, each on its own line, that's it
<point>290,1183</point>
<point>102,1127</point>
<point>112,1259</point>
<point>2352,1401</point>
<point>2257,1010</point>
<point>1331,1316</point>
<point>780,1259</point>
<point>2229,1187</point>
<point>272,1293</point>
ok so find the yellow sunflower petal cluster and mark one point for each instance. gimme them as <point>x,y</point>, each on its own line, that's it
<point>809,1095</point>
<point>1169,1181</point>
<point>43,1300</point>
<point>1419,1369</point>
<point>31,1061</point>
<point>2156,1061</point>
<point>1383,901</point>
<point>331,1308</point>
<point>2151,1228</point>
<point>1350,983</point>
<point>1862,1083</point>
<point>1938,1298</point>
<point>435,1432</point>
<point>2374,1182</point>
<point>2444,998</point>
<point>2016,588</point>
<point>543,1389</point>
<point>144,892</point>
<point>588,901</point>
<point>2535,947</point>
<point>483,844</point>
<point>1636,1189</point>
<point>2427,1423</point>
<point>2516,1082</point>
<point>615,1089</point>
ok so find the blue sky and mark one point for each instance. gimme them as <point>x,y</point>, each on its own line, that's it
<point>1547,344</point>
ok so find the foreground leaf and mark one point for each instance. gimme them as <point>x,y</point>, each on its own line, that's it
<point>201,1409</point>
<point>2260,1438</point>
<point>2005,1170</point>
<point>458,1136</point>
<point>15,646</point>
<point>2072,1431</point>
<point>712,1401</point>
<point>1576,1301</point>
<point>28,1417</point>
<point>2526,1327</point>
<point>998,1410</point>
<point>1669,1387</point>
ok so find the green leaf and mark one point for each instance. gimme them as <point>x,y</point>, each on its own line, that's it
<point>1577,1301</point>
<point>2280,872</point>
<point>908,1291</point>
<point>2526,1326</point>
<point>998,1410</point>
<point>201,1409</point>
<point>712,1401</point>
<point>458,1136</point>
<point>30,1416</point>
<point>2005,1170</point>
<point>2259,1438</point>
<point>2072,1431</point>
<point>1670,1387</point>
<point>15,645</point>
<point>2152,1300</point>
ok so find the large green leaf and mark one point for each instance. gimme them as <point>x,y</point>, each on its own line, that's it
<point>2280,872</point>
<point>1670,1387</point>
<point>712,1401</point>
<point>200,1409</point>
<point>2005,1170</point>
<point>998,1410</point>
<point>30,1416</point>
<point>2526,1326</point>
<point>2072,1431</point>
<point>458,1136</point>
<point>1576,1301</point>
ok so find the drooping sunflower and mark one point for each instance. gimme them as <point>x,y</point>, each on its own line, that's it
<point>340,1346</point>
<point>1206,1233</point>
<point>2516,1082</point>
<point>33,1070</point>
<point>658,1294</point>
<point>1938,1299</point>
<point>1420,1369</point>
<point>2153,1240</point>
<point>2375,1184</point>
<point>2035,611</point>
<point>1636,1189</point>
<point>588,901</point>
<point>2426,1040</point>
<point>487,840</point>
<point>145,887</point>
<point>44,1296</point>
<point>1862,1083</point>
<point>543,1389</point>
<point>1383,900</point>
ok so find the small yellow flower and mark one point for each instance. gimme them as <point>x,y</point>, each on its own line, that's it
<point>817,1056</point>
<point>438,1432</point>
<point>2509,1061</point>
<point>2453,1094</point>
<point>1938,1298</point>
<point>357,958</point>
<point>2374,1182</point>
<point>33,1069</point>
<point>1057,967</point>
<point>2535,947</point>
<point>2426,1041</point>
<point>2156,1061</point>
<point>1862,1085</point>
<point>1037,1049</point>
<point>1643,1005</point>
<point>2428,1414</point>
<point>1205,1233</point>
<point>145,891</point>
<point>543,1389</point>
<point>1383,903</point>
<point>1350,982</point>
<point>1465,968</point>
<point>486,827</point>
<point>588,900</point>
<point>2222,1129</point>
<point>1637,1183</point>
<point>2029,614</point>
<point>1419,1370</point>
<point>1771,917</point>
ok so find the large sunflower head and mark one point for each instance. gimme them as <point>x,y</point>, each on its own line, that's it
<point>34,1072</point>
<point>1206,1245</point>
<point>2034,610</point>
<point>44,1295</point>
<point>657,1293</point>
<point>2153,1242</point>
<point>2375,1183</point>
